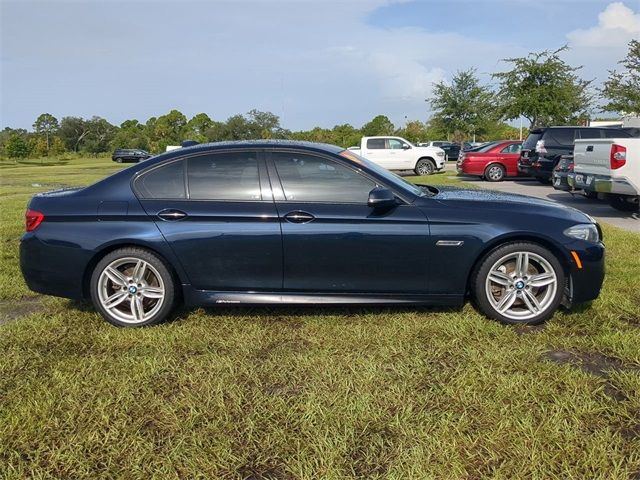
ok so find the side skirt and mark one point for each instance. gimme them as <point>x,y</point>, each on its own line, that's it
<point>202,298</point>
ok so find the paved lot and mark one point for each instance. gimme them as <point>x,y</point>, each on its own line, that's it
<point>596,208</point>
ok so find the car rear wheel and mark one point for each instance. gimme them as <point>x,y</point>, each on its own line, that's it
<point>132,287</point>
<point>519,283</point>
<point>494,173</point>
<point>425,166</point>
<point>119,160</point>
<point>543,180</point>
<point>624,203</point>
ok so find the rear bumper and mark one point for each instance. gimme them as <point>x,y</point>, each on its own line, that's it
<point>603,184</point>
<point>52,269</point>
<point>560,182</point>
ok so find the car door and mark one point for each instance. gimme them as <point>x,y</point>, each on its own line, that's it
<point>401,154</point>
<point>216,212</point>
<point>509,156</point>
<point>376,150</point>
<point>332,241</point>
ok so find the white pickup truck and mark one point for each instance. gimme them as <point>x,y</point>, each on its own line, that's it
<point>608,166</point>
<point>396,153</point>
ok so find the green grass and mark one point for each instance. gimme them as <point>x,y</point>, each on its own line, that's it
<point>313,392</point>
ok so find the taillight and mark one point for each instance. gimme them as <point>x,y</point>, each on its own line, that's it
<point>618,156</point>
<point>540,147</point>
<point>33,219</point>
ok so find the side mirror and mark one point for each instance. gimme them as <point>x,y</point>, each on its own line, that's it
<point>405,146</point>
<point>381,197</point>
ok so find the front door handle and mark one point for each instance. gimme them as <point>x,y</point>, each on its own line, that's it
<point>171,214</point>
<point>298,216</point>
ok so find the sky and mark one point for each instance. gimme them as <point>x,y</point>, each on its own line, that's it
<point>312,63</point>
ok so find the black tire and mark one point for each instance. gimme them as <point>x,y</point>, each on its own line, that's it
<point>425,166</point>
<point>543,180</point>
<point>494,173</point>
<point>552,298</point>
<point>592,195</point>
<point>118,160</point>
<point>157,266</point>
<point>624,203</point>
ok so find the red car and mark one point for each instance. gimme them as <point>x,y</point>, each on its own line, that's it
<point>492,161</point>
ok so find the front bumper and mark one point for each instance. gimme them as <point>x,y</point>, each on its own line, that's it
<point>603,184</point>
<point>586,278</point>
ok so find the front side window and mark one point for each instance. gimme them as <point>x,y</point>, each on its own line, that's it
<point>308,178</point>
<point>224,176</point>
<point>395,144</point>
<point>164,182</point>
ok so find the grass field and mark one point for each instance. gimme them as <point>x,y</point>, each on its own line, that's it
<point>312,392</point>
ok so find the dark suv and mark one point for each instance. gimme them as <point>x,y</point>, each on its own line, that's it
<point>542,149</point>
<point>129,155</point>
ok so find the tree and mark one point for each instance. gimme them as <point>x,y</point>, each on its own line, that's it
<point>46,124</point>
<point>380,125</point>
<point>414,131</point>
<point>197,127</point>
<point>73,131</point>
<point>544,89</point>
<point>101,132</point>
<point>464,107</point>
<point>17,147</point>
<point>622,89</point>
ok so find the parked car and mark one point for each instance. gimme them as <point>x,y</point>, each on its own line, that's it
<point>121,155</point>
<point>396,153</point>
<point>611,167</point>
<point>492,162</point>
<point>543,148</point>
<point>451,150</point>
<point>273,222</point>
<point>561,174</point>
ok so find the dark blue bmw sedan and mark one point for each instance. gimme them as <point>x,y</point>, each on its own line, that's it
<point>289,222</point>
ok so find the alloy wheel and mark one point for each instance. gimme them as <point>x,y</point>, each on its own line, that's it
<point>521,285</point>
<point>131,290</point>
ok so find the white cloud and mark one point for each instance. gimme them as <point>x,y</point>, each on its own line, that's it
<point>617,25</point>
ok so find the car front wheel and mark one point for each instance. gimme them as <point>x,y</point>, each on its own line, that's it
<point>425,166</point>
<point>519,283</point>
<point>132,287</point>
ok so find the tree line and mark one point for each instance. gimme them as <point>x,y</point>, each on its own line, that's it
<point>540,87</point>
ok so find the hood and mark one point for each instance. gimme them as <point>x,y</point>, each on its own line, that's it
<point>513,202</point>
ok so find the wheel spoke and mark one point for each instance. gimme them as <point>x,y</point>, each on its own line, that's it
<point>522,264</point>
<point>115,276</point>
<point>152,292</point>
<point>542,279</point>
<point>499,278</point>
<point>531,301</point>
<point>139,270</point>
<point>136,308</point>
<point>114,300</point>
<point>506,301</point>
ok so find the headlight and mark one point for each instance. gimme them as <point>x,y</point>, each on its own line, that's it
<point>440,154</point>
<point>584,231</point>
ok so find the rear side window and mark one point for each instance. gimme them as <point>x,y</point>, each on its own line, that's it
<point>224,176</point>
<point>513,148</point>
<point>617,133</point>
<point>375,143</point>
<point>163,182</point>
<point>591,133</point>
<point>559,136</point>
<point>532,139</point>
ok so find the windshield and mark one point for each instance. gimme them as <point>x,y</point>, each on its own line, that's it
<point>390,177</point>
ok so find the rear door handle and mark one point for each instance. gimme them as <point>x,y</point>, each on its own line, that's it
<point>298,216</point>
<point>171,214</point>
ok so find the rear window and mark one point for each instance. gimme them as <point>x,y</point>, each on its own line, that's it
<point>484,148</point>
<point>532,139</point>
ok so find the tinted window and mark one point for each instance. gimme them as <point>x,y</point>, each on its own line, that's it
<point>559,136</point>
<point>591,133</point>
<point>224,176</point>
<point>307,178</point>
<point>163,182</point>
<point>484,148</point>
<point>375,143</point>
<point>619,133</point>
<point>532,139</point>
